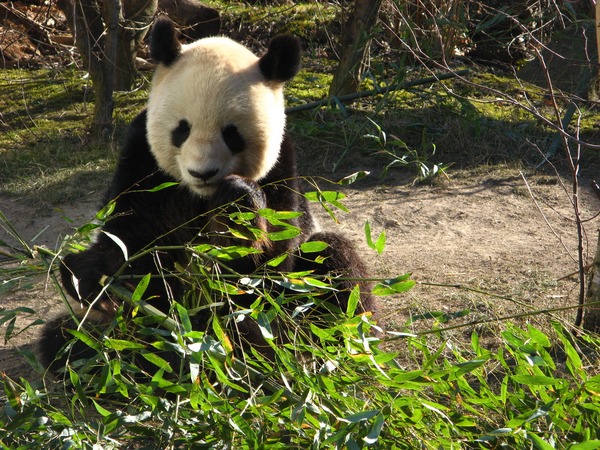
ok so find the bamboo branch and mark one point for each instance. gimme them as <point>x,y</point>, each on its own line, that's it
<point>255,376</point>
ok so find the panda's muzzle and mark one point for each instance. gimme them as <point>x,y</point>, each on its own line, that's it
<point>204,175</point>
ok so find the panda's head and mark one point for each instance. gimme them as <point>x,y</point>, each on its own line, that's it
<point>215,108</point>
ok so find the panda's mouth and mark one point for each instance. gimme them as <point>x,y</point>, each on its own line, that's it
<point>203,189</point>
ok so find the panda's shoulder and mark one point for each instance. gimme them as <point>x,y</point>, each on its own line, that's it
<point>136,166</point>
<point>135,156</point>
<point>136,143</point>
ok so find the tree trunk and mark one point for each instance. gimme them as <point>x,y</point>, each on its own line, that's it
<point>354,49</point>
<point>107,34</point>
<point>591,319</point>
<point>98,51</point>
<point>102,71</point>
<point>137,16</point>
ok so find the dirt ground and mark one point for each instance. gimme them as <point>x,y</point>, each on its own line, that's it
<point>495,230</point>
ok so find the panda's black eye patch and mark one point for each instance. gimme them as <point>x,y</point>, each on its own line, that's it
<point>180,134</point>
<point>233,138</point>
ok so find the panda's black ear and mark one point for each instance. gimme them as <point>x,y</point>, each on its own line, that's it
<point>164,46</point>
<point>282,60</point>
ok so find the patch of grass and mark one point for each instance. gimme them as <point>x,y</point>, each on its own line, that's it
<point>43,149</point>
<point>42,104</point>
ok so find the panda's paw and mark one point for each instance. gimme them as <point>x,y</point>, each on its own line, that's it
<point>235,206</point>
<point>243,192</point>
<point>81,276</point>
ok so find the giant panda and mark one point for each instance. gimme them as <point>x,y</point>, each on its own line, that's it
<point>214,132</point>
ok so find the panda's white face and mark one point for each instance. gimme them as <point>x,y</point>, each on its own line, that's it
<point>212,113</point>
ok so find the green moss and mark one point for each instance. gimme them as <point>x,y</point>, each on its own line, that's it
<point>308,86</point>
<point>311,21</point>
<point>44,155</point>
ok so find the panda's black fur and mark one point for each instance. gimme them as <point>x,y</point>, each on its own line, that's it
<point>175,215</point>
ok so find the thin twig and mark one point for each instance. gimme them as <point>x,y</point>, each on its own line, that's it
<point>544,216</point>
<point>574,166</point>
<point>383,90</point>
<point>491,320</point>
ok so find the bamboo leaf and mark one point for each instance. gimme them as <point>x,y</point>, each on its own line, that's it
<point>117,240</point>
<point>313,246</point>
<point>349,179</point>
<point>379,244</point>
<point>164,185</point>
<point>393,286</point>
<point>353,300</point>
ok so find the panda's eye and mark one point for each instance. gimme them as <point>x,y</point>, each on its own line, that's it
<point>233,138</point>
<point>181,133</point>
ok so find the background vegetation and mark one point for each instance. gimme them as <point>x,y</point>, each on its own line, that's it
<point>515,71</point>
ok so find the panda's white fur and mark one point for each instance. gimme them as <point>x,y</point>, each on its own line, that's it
<point>234,92</point>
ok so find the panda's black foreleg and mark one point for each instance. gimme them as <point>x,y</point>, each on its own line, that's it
<point>341,261</point>
<point>52,349</point>
<point>81,275</point>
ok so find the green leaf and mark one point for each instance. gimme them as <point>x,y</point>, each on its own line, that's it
<point>264,325</point>
<point>294,286</point>
<point>538,442</point>
<point>202,248</point>
<point>323,334</point>
<point>157,361</point>
<point>184,318</point>
<point>102,411</point>
<point>361,416</point>
<point>242,217</point>
<point>588,445</point>
<point>538,337</point>
<point>468,366</point>
<point>535,380</point>
<point>378,245</point>
<point>349,179</point>
<point>232,252</point>
<point>86,339</point>
<point>141,288</point>
<point>574,363</point>
<point>393,286</point>
<point>276,217</point>
<point>309,281</point>
<point>88,228</point>
<point>221,335</point>
<point>106,211</point>
<point>284,235</point>
<point>313,246</point>
<point>122,344</point>
<point>353,300</point>
<point>373,436</point>
<point>331,197</point>
<point>593,385</point>
<point>500,432</point>
<point>542,411</point>
<point>164,185</point>
<point>274,262</point>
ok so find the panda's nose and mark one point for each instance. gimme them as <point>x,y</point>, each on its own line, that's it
<point>205,175</point>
